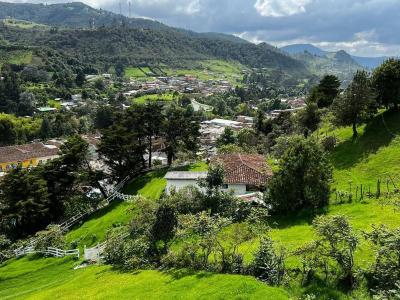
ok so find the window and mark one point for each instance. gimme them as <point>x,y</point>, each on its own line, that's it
<point>251,188</point>
<point>1,169</point>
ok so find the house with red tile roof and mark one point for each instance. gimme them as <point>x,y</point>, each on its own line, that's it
<point>243,174</point>
<point>28,155</point>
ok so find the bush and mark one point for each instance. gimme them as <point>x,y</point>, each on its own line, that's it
<point>5,248</point>
<point>53,236</point>
<point>268,265</point>
<point>329,143</point>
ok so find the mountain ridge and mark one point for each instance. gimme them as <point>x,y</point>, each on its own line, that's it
<point>365,61</point>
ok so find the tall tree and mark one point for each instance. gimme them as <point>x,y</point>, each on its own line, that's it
<point>123,145</point>
<point>9,90</point>
<point>24,203</point>
<point>386,81</point>
<point>8,134</point>
<point>303,179</point>
<point>353,106</point>
<point>227,137</point>
<point>180,130</point>
<point>326,91</point>
<point>153,119</point>
<point>309,118</point>
<point>80,78</point>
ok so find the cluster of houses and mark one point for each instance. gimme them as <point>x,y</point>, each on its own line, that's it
<point>211,130</point>
<point>182,84</point>
<point>75,101</point>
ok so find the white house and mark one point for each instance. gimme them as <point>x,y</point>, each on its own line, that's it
<point>244,174</point>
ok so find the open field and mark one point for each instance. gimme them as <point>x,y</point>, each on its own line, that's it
<point>16,57</point>
<point>204,70</point>
<point>212,70</point>
<point>30,278</point>
<point>23,24</point>
<point>154,97</point>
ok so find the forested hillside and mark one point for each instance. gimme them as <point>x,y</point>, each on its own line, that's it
<point>109,46</point>
<point>75,15</point>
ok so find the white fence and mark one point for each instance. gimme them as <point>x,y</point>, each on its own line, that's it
<point>94,254</point>
<point>66,225</point>
<point>50,251</point>
<point>115,194</point>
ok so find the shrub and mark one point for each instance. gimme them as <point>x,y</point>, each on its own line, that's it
<point>268,265</point>
<point>53,236</point>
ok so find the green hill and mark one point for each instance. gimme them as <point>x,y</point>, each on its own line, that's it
<point>51,278</point>
<point>115,40</point>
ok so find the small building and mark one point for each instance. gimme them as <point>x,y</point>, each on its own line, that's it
<point>46,109</point>
<point>180,179</point>
<point>28,155</point>
<point>244,174</point>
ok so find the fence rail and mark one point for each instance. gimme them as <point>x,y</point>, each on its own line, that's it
<point>50,251</point>
<point>114,194</point>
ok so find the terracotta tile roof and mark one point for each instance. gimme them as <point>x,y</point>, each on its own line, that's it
<point>244,168</point>
<point>21,153</point>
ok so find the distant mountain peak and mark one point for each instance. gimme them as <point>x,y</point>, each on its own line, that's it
<point>302,48</point>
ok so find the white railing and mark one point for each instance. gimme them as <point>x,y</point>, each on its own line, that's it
<point>114,194</point>
<point>66,225</point>
<point>50,251</point>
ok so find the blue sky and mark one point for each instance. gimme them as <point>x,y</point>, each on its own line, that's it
<point>361,27</point>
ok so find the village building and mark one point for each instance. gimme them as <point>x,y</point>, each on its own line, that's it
<point>28,155</point>
<point>244,174</point>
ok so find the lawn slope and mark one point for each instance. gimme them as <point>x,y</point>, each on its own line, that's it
<point>29,278</point>
<point>94,230</point>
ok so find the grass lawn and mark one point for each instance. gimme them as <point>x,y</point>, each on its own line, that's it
<point>154,97</point>
<point>374,154</point>
<point>51,278</point>
<point>134,72</point>
<point>212,70</point>
<point>94,230</point>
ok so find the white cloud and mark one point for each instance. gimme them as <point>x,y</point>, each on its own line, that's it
<point>281,8</point>
<point>183,7</point>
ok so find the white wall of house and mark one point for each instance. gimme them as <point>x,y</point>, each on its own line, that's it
<point>238,189</point>
<point>180,183</point>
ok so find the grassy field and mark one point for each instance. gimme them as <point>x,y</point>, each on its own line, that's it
<point>133,72</point>
<point>16,57</point>
<point>212,70</point>
<point>23,24</point>
<point>30,278</point>
<point>154,97</point>
<point>374,154</point>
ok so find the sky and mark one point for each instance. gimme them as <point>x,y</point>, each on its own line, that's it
<point>361,27</point>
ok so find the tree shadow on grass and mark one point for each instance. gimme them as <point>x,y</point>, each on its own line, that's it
<point>377,134</point>
<point>178,274</point>
<point>98,214</point>
<point>302,217</point>
<point>137,184</point>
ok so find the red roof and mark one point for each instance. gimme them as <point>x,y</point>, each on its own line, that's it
<point>244,168</point>
<point>21,153</point>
